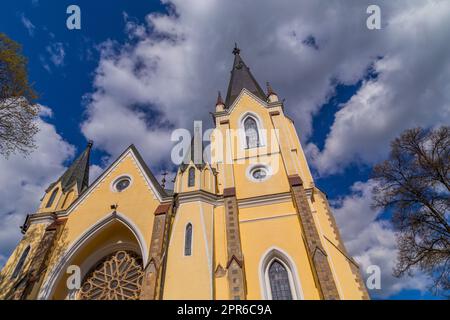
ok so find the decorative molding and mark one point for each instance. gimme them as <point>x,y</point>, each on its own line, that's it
<point>316,252</point>
<point>229,192</point>
<point>200,195</point>
<point>56,272</point>
<point>229,110</point>
<point>268,218</point>
<point>129,152</point>
<point>235,266</point>
<point>47,217</point>
<point>265,200</point>
<point>274,113</point>
<point>153,270</point>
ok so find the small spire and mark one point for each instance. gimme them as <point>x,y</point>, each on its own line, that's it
<point>270,90</point>
<point>163,181</point>
<point>219,99</point>
<point>241,78</point>
<point>90,144</point>
<point>236,50</point>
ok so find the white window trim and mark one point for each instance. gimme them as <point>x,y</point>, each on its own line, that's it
<point>241,131</point>
<point>250,168</point>
<point>114,181</point>
<point>282,257</point>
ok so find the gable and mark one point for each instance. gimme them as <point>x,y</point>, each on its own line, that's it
<point>129,163</point>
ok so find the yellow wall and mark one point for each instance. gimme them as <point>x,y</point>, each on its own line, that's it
<point>263,225</point>
<point>32,239</point>
<point>274,226</point>
<point>137,203</point>
<point>190,277</point>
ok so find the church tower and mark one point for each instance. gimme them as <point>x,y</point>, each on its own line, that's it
<point>248,222</point>
<point>266,231</point>
<point>23,272</point>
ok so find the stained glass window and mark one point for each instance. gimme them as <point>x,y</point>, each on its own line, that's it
<point>188,240</point>
<point>191,177</point>
<point>251,133</point>
<point>122,184</point>
<point>116,277</point>
<point>279,282</point>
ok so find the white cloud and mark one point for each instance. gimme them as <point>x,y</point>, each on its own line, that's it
<point>174,63</point>
<point>94,172</point>
<point>412,89</point>
<point>371,241</point>
<point>27,24</point>
<point>25,180</point>
<point>57,53</point>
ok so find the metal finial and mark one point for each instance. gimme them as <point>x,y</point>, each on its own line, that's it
<point>219,99</point>
<point>236,50</point>
<point>269,89</point>
<point>163,181</point>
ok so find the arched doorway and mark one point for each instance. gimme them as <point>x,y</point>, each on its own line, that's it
<point>110,257</point>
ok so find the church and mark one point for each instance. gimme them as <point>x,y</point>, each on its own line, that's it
<point>248,225</point>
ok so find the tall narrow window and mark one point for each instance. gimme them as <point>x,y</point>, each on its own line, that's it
<point>188,240</point>
<point>67,199</point>
<point>191,177</point>
<point>279,282</point>
<point>251,133</point>
<point>21,262</point>
<point>52,198</point>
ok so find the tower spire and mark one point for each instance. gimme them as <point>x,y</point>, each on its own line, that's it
<point>219,99</point>
<point>269,89</point>
<point>241,78</point>
<point>271,95</point>
<point>78,172</point>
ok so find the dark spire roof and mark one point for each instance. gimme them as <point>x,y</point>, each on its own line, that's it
<point>269,89</point>
<point>241,77</point>
<point>219,99</point>
<point>78,172</point>
<point>194,154</point>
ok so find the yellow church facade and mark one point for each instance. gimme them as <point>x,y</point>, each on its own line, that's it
<point>247,224</point>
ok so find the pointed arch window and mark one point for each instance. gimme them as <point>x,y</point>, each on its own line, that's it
<point>21,262</point>
<point>191,177</point>
<point>279,281</point>
<point>251,133</point>
<point>67,199</point>
<point>188,240</point>
<point>278,276</point>
<point>52,198</point>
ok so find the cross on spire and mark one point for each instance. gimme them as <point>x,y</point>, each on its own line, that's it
<point>240,78</point>
<point>236,50</point>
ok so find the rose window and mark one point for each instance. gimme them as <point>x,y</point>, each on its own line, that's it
<point>116,277</point>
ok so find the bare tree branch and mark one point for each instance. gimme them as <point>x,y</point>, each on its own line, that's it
<point>18,112</point>
<point>415,184</point>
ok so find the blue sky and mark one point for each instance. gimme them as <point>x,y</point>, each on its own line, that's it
<point>64,86</point>
<point>158,66</point>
